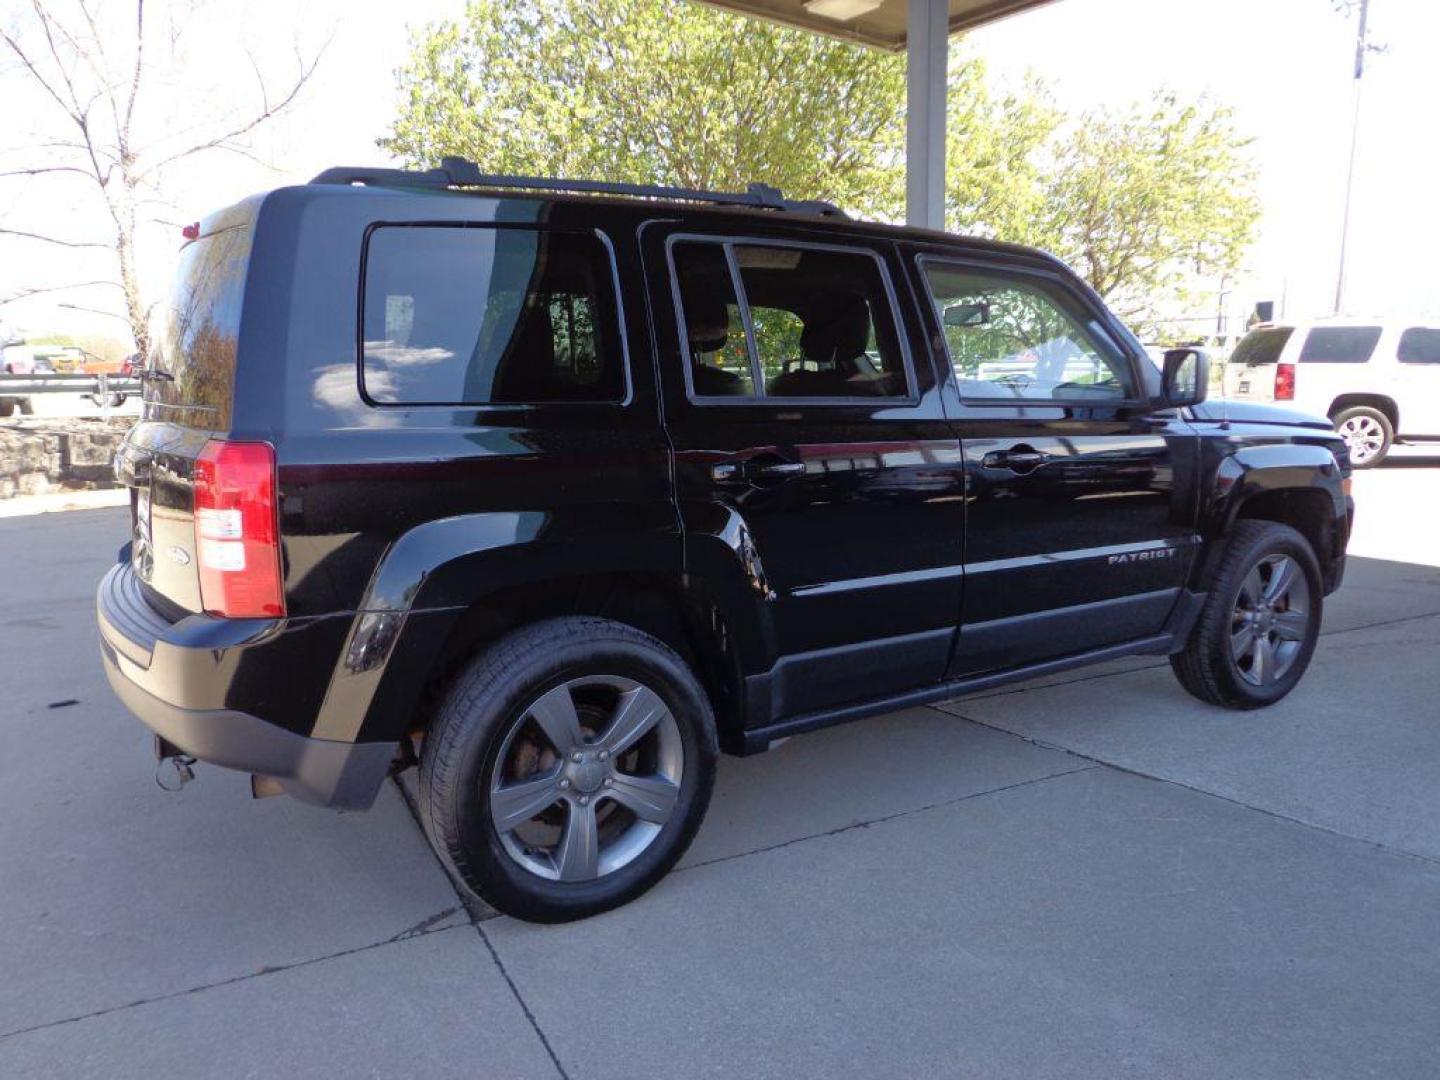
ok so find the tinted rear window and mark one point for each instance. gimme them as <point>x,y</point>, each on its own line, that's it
<point>1420,345</point>
<point>196,333</point>
<point>484,315</point>
<point>1339,345</point>
<point>1261,346</point>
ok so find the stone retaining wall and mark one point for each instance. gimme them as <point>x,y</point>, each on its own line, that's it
<point>38,455</point>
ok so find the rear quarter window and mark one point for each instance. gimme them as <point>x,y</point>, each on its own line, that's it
<point>487,315</point>
<point>1419,345</point>
<point>1339,345</point>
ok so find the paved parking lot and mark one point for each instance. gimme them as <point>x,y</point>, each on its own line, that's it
<point>1093,875</point>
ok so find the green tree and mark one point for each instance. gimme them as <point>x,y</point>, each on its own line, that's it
<point>1143,204</point>
<point>653,90</point>
<point>668,91</point>
<point>1148,203</point>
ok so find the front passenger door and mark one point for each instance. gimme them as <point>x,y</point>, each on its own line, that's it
<point>1080,524</point>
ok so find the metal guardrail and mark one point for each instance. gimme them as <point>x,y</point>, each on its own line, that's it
<point>103,385</point>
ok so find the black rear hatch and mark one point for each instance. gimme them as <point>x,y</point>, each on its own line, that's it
<point>188,397</point>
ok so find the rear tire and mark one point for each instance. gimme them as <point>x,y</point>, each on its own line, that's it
<point>568,768</point>
<point>1260,623</point>
<point>1368,432</point>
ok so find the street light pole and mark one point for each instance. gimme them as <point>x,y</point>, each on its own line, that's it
<point>1360,48</point>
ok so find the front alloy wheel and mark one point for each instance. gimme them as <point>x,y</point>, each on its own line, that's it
<point>1270,620</point>
<point>1261,619</point>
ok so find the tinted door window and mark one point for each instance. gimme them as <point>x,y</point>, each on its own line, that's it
<point>1420,345</point>
<point>714,331</point>
<point>1339,345</point>
<point>814,323</point>
<point>477,316</point>
<point>1010,339</point>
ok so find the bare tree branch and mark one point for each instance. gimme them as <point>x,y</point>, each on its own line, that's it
<point>268,112</point>
<point>87,64</point>
<point>41,170</point>
<point>95,311</point>
<point>39,290</point>
<point>52,239</point>
<point>139,62</point>
<point>36,74</point>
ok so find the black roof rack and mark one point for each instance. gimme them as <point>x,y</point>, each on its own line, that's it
<point>458,172</point>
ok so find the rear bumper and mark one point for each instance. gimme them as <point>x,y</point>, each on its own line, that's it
<point>177,678</point>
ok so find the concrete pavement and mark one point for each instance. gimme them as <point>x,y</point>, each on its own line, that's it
<point>1091,876</point>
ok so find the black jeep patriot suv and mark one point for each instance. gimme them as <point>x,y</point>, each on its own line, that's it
<point>566,486</point>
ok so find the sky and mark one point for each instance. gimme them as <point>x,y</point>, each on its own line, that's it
<point>1285,66</point>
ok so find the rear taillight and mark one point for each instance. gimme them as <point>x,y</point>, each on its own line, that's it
<point>1284,382</point>
<point>237,535</point>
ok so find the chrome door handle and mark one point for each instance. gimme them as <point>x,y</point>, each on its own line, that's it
<point>756,470</point>
<point>1015,460</point>
<point>774,470</point>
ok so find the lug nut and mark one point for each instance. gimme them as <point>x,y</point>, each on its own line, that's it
<point>609,782</point>
<point>564,782</point>
<point>584,800</point>
<point>576,756</point>
<point>604,754</point>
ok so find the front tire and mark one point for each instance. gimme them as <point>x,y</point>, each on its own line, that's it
<point>568,768</point>
<point>1369,434</point>
<point>1261,621</point>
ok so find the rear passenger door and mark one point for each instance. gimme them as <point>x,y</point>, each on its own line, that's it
<point>812,451</point>
<point>1081,500</point>
<point>1419,398</point>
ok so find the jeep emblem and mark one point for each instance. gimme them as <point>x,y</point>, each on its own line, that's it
<point>179,554</point>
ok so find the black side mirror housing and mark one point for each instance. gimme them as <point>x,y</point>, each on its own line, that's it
<point>1186,377</point>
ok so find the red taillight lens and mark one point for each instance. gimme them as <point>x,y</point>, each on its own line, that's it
<point>1284,382</point>
<point>237,534</point>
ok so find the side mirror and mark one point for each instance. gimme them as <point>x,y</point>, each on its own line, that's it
<point>1186,377</point>
<point>967,314</point>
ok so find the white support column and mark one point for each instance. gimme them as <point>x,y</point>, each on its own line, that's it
<point>927,44</point>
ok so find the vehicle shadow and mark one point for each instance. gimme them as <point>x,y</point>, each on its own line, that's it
<point>900,762</point>
<point>1428,461</point>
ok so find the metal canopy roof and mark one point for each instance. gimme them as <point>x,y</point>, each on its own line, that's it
<point>882,26</point>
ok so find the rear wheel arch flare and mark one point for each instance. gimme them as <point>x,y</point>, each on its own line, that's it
<point>665,609</point>
<point>1379,402</point>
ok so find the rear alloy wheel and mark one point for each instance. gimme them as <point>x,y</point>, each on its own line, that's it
<point>1369,434</point>
<point>578,758</point>
<point>568,768</point>
<point>1261,620</point>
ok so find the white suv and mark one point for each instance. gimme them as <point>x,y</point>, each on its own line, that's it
<point>1378,382</point>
